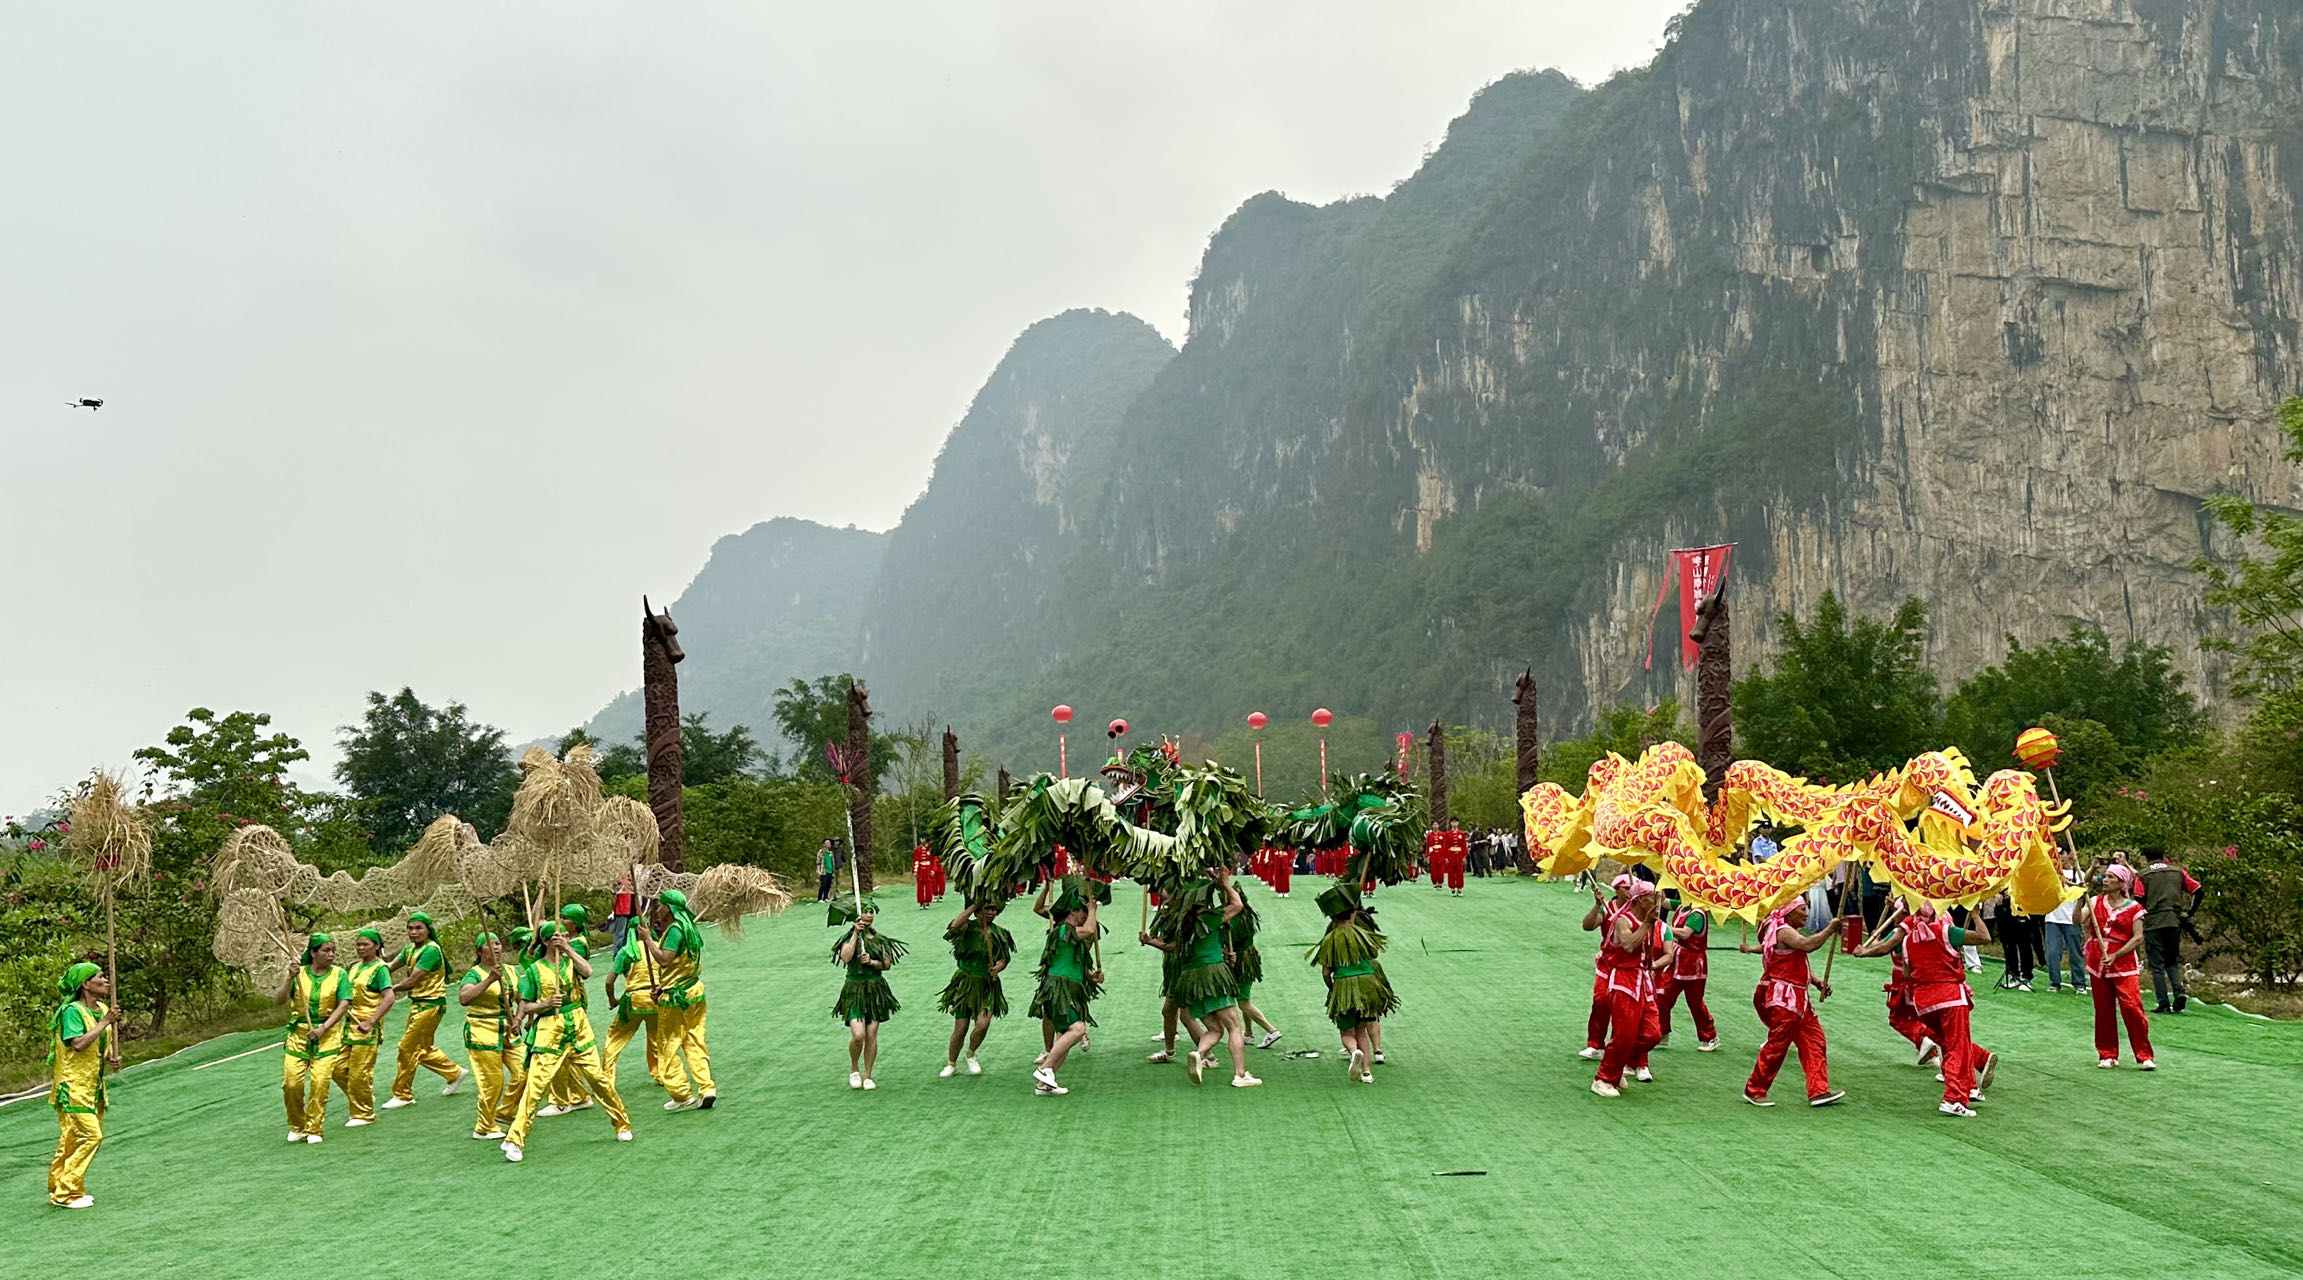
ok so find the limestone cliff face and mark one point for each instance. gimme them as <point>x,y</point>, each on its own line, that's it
<point>2031,266</point>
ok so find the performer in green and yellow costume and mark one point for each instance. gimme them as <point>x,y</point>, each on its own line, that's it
<point>487,994</point>
<point>319,998</point>
<point>372,997</point>
<point>981,950</point>
<point>568,1087</point>
<point>544,1001</point>
<point>679,1035</point>
<point>865,999</point>
<point>81,1050</point>
<point>425,984</point>
<point>636,1016</point>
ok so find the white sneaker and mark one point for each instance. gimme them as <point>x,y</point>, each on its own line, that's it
<point>870,1084</point>
<point>574,1107</point>
<point>2146,1064</point>
<point>1367,1077</point>
<point>683,1104</point>
<point>513,1154</point>
<point>1664,1043</point>
<point>1049,1090</point>
<point>356,1123</point>
<point>1954,1109</point>
<point>1590,1054</point>
<point>552,1109</point>
<point>312,1138</point>
<point>295,1135</point>
<point>1195,1066</point>
<point>1161,1056</point>
<point>1378,1058</point>
<point>82,1202</point>
<point>1930,1052</point>
<point>1707,1046</point>
<point>1605,1090</point>
<point>492,1135</point>
<point>394,1104</point>
<point>948,1072</point>
<point>975,1068</point>
<point>1244,1082</point>
<point>855,1079</point>
<point>1351,1065</point>
<point>1990,1072</point>
<point>623,1135</point>
<point>1270,1038</point>
<point>448,1090</point>
<point>2106,1064</point>
<point>1644,1076</point>
<point>1044,1076</point>
<point>1757,1100</point>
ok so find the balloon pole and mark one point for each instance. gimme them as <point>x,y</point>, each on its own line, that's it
<point>1259,769</point>
<point>1063,766</point>
<point>1323,766</point>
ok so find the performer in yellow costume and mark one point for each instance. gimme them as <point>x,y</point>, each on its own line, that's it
<point>543,987</point>
<point>319,997</point>
<point>81,1050</point>
<point>568,1086</point>
<point>487,995</point>
<point>426,986</point>
<point>372,997</point>
<point>679,1032</point>
<point>635,1009</point>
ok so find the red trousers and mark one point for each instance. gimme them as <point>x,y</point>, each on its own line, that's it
<point>2116,1000</point>
<point>1787,1028</point>
<point>1280,872</point>
<point>1436,865</point>
<point>1904,1018</point>
<point>1692,988</point>
<point>1595,1028</point>
<point>923,885</point>
<point>1632,1030</point>
<point>1961,1055</point>
<point>1455,873</point>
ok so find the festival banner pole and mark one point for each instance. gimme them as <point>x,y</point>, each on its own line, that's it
<point>1062,715</point>
<point>1322,718</point>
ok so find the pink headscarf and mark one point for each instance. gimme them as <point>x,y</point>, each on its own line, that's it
<point>2123,875</point>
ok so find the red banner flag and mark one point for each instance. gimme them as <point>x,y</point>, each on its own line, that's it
<point>1699,570</point>
<point>1405,745</point>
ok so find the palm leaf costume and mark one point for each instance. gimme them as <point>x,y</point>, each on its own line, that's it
<point>866,993</point>
<point>1246,961</point>
<point>1383,820</point>
<point>1065,975</point>
<point>977,948</point>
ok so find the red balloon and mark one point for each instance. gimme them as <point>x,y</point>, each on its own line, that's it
<point>1323,717</point>
<point>1257,719</point>
<point>1116,728</point>
<point>1062,713</point>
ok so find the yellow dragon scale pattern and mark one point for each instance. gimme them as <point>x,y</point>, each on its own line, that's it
<point>1651,810</point>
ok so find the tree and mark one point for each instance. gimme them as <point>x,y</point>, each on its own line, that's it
<point>409,763</point>
<point>2138,698</point>
<point>1625,731</point>
<point>707,757</point>
<point>2265,596</point>
<point>1847,697</point>
<point>814,714</point>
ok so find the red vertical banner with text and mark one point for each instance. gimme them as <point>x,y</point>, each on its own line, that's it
<point>1403,753</point>
<point>1701,570</point>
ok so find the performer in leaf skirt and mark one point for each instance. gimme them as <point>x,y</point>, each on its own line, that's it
<point>865,1000</point>
<point>1247,969</point>
<point>1068,981</point>
<point>81,1051</point>
<point>1359,996</point>
<point>981,950</point>
<point>1171,919</point>
<point>1204,987</point>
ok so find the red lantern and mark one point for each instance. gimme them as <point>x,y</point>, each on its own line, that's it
<point>1062,713</point>
<point>1257,719</point>
<point>1323,717</point>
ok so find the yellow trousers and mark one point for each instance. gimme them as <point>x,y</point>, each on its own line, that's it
<point>502,1079</point>
<point>417,1050</point>
<point>568,1085</point>
<point>541,1067</point>
<point>304,1083</point>
<point>78,1134</point>
<point>679,1037</point>
<point>622,1033</point>
<point>355,1074</point>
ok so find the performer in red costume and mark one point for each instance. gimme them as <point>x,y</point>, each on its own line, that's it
<point>1781,999</point>
<point>1636,947</point>
<point>1940,996</point>
<point>1690,970</point>
<point>2114,931</point>
<point>1435,855</point>
<point>1601,918</point>
<point>1903,1015</point>
<point>1458,857</point>
<point>923,876</point>
<point>1282,870</point>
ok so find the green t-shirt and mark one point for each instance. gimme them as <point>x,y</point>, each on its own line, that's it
<point>1070,958</point>
<point>378,979</point>
<point>426,957</point>
<point>74,1024</point>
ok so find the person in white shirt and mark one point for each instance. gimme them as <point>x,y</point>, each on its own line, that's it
<point>2063,939</point>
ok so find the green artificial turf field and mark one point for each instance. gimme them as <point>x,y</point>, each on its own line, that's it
<point>2195,1171</point>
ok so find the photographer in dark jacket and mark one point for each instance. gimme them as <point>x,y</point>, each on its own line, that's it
<point>2170,896</point>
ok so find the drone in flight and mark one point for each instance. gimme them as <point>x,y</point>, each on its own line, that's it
<point>86,404</point>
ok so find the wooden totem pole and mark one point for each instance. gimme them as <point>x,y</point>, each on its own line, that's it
<point>1436,746</point>
<point>858,756</point>
<point>660,654</point>
<point>1714,678</point>
<point>951,764</point>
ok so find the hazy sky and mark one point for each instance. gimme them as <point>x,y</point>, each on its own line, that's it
<point>431,336</point>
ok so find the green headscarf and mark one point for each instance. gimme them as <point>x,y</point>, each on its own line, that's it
<point>480,944</point>
<point>545,932</point>
<point>77,977</point>
<point>312,946</point>
<point>691,938</point>
<point>521,936</point>
<point>575,915</point>
<point>431,931</point>
<point>372,936</point>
